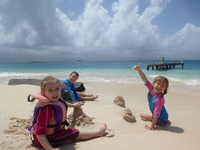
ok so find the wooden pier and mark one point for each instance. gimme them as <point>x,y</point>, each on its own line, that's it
<point>165,66</point>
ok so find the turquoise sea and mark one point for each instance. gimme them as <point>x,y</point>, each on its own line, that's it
<point>108,71</point>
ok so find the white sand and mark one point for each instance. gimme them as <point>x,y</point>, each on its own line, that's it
<point>183,107</point>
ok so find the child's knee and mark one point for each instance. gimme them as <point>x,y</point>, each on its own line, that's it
<point>142,115</point>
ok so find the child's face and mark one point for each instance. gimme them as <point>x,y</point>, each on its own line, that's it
<point>52,91</point>
<point>159,86</point>
<point>73,77</point>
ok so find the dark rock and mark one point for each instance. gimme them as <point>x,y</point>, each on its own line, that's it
<point>24,81</point>
<point>79,86</point>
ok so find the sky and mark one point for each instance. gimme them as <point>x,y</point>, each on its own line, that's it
<point>99,30</point>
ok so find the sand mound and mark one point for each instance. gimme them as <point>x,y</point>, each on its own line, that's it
<point>78,118</point>
<point>128,116</point>
<point>18,132</point>
<point>119,100</point>
<point>109,133</point>
<point>18,126</point>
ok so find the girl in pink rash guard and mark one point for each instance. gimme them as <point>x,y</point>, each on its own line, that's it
<point>157,90</point>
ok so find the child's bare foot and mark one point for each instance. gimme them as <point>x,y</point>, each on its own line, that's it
<point>168,122</point>
<point>102,129</point>
<point>94,97</point>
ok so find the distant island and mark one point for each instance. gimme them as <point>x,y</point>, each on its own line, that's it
<point>36,62</point>
<point>79,60</point>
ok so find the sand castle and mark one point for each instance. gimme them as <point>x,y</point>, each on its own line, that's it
<point>127,114</point>
<point>119,100</point>
<point>78,118</point>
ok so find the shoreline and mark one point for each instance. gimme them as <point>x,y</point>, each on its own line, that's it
<point>174,86</point>
<point>183,108</point>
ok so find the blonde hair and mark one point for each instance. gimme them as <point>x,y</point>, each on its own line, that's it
<point>162,80</point>
<point>48,80</point>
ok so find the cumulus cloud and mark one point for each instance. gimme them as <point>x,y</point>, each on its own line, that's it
<point>39,30</point>
<point>184,43</point>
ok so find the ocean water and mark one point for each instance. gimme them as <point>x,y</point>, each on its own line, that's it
<point>109,71</point>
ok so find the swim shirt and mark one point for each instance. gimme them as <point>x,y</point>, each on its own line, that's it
<point>156,101</point>
<point>70,89</point>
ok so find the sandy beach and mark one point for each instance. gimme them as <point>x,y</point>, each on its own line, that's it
<point>181,102</point>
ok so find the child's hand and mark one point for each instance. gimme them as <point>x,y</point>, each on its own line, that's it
<point>148,127</point>
<point>136,67</point>
<point>78,104</point>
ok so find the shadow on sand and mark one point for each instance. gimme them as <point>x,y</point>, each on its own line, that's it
<point>170,128</point>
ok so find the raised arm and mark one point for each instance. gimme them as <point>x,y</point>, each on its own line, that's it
<point>140,72</point>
